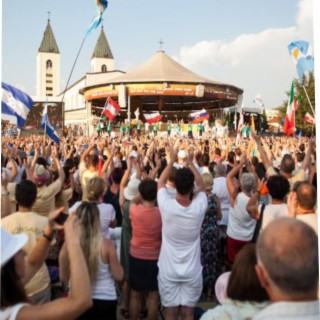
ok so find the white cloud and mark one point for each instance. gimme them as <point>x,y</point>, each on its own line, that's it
<point>257,63</point>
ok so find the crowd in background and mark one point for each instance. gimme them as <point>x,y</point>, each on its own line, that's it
<point>157,223</point>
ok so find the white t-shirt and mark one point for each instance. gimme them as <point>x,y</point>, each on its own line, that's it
<point>240,223</point>
<point>220,190</point>
<point>179,258</point>
<point>107,215</point>
<point>10,313</point>
<point>273,211</point>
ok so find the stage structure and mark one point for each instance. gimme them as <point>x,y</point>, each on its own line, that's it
<point>161,84</point>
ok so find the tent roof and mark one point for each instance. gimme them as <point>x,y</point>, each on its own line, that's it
<point>162,68</point>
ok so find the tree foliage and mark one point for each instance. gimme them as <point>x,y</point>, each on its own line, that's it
<point>303,106</point>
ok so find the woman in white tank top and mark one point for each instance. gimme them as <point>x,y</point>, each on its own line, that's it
<point>102,261</point>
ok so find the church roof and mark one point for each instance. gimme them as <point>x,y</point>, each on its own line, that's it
<point>102,49</point>
<point>49,43</point>
<point>164,69</point>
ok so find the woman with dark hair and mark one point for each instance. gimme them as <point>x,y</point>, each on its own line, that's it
<point>16,271</point>
<point>244,296</point>
<point>210,241</point>
<point>144,249</point>
<point>102,262</point>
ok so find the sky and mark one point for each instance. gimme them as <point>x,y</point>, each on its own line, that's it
<point>243,43</point>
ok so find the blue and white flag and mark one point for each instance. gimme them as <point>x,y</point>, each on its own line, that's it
<point>303,62</point>
<point>15,103</point>
<point>101,7</point>
<point>46,125</point>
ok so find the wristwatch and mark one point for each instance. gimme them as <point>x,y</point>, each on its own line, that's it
<point>5,193</point>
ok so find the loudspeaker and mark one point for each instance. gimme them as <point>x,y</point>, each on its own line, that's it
<point>199,90</point>
<point>122,95</point>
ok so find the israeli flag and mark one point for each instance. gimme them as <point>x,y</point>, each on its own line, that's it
<point>15,103</point>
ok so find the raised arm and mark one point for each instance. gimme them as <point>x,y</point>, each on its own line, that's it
<point>307,157</point>
<point>79,299</point>
<point>265,160</point>
<point>233,192</point>
<point>197,177</point>
<point>165,173</point>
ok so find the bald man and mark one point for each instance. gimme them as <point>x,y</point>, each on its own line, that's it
<point>288,269</point>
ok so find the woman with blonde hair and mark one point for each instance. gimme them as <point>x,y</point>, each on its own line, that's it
<point>96,188</point>
<point>102,261</point>
<point>210,243</point>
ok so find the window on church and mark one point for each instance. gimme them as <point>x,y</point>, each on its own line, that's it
<point>49,64</point>
<point>103,68</point>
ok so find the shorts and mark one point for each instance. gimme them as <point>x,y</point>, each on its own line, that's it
<point>180,293</point>
<point>143,274</point>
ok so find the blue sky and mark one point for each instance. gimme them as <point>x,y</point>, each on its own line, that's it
<point>243,43</point>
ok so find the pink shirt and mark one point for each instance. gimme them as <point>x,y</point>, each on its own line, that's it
<point>146,232</point>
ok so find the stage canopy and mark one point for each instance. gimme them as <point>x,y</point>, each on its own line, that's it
<point>162,84</point>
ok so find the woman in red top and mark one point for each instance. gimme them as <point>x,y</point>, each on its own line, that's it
<point>144,249</point>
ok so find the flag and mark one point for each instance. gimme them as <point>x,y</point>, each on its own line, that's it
<point>16,103</point>
<point>289,123</point>
<point>111,109</point>
<point>303,62</point>
<point>152,117</point>
<point>199,116</point>
<point>258,100</point>
<point>49,129</point>
<point>309,118</point>
<point>101,7</point>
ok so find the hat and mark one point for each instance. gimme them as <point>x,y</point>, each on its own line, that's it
<point>220,287</point>
<point>131,190</point>
<point>41,174</point>
<point>10,245</point>
<point>133,154</point>
<point>182,154</point>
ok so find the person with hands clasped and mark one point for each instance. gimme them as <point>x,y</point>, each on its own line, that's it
<point>17,271</point>
<point>240,224</point>
<point>180,269</point>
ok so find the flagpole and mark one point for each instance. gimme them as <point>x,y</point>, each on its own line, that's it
<point>305,91</point>
<point>64,92</point>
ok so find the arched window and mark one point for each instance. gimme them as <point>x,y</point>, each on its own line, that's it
<point>49,64</point>
<point>103,68</point>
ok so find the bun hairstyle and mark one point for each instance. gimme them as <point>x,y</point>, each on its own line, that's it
<point>95,188</point>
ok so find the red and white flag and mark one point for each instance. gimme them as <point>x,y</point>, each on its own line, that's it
<point>309,118</point>
<point>152,117</point>
<point>111,109</point>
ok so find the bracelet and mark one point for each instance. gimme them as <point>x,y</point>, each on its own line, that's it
<point>5,193</point>
<point>257,191</point>
<point>47,237</point>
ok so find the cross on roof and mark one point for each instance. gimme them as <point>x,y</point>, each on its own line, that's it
<point>48,12</point>
<point>161,43</point>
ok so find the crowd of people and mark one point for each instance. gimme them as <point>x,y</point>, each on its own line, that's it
<point>147,225</point>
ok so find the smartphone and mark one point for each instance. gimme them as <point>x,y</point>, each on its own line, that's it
<point>62,218</point>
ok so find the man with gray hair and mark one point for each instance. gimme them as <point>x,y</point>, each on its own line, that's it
<point>288,269</point>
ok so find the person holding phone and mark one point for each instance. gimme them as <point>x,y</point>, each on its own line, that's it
<point>17,270</point>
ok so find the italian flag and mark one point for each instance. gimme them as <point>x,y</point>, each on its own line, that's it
<point>289,124</point>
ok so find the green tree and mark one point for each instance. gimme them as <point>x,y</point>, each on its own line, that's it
<point>303,105</point>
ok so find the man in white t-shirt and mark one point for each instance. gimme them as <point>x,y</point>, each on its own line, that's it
<point>180,269</point>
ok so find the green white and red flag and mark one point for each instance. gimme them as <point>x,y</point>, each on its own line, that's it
<point>290,123</point>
